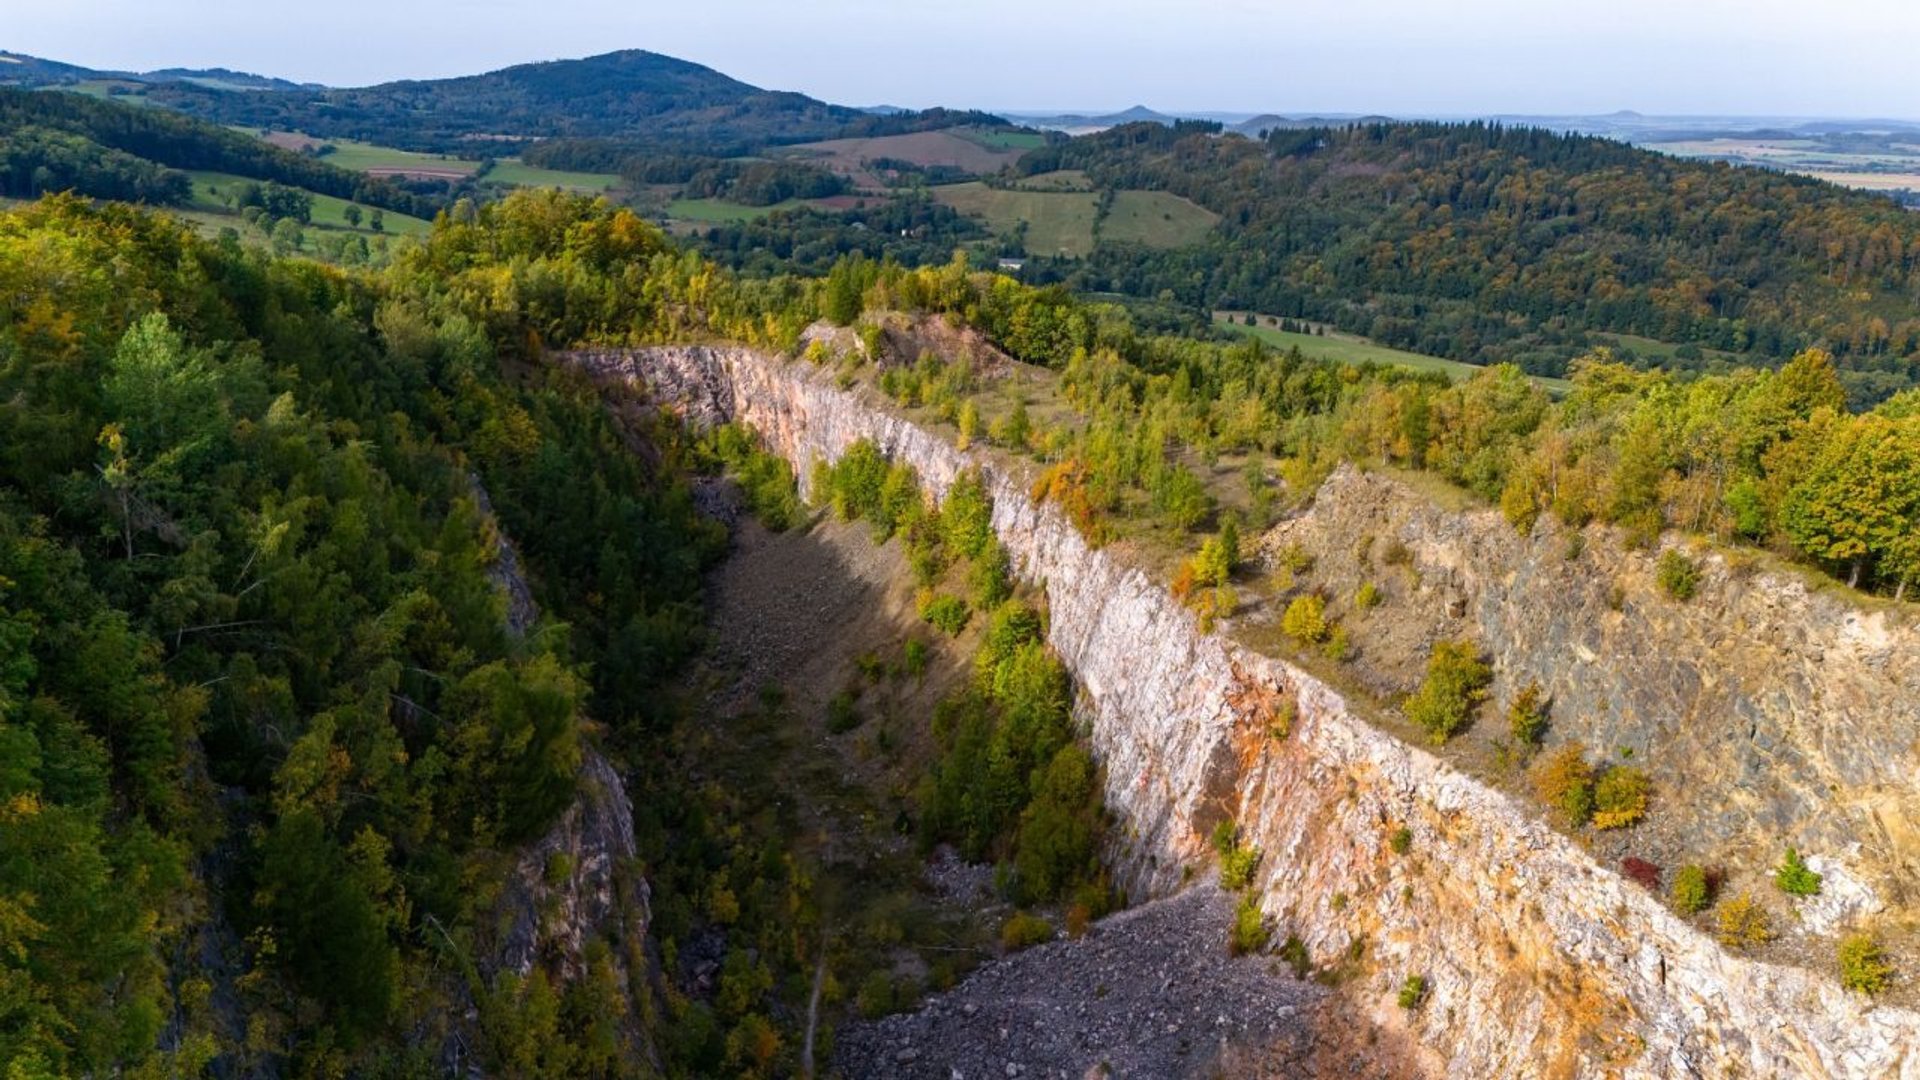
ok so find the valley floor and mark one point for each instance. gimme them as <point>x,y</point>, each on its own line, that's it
<point>1147,993</point>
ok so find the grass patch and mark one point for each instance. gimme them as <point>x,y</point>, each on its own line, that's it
<point>1156,219</point>
<point>1058,222</point>
<point>1002,140</point>
<point>511,172</point>
<point>715,211</point>
<point>369,157</point>
<point>328,212</point>
<point>1348,349</point>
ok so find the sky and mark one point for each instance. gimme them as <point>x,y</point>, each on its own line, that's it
<point>1401,57</point>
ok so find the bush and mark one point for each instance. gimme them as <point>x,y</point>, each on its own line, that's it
<point>1249,933</point>
<point>1237,867</point>
<point>913,659</point>
<point>1564,781</point>
<point>1305,620</point>
<point>1863,965</point>
<point>1401,841</point>
<point>1527,716</point>
<point>948,614</point>
<point>877,996</point>
<point>1456,684</point>
<point>1367,597</point>
<point>842,716</point>
<point>1794,878</point>
<point>1294,952</point>
<point>1744,923</point>
<point>1678,575</point>
<point>1022,930</point>
<point>1692,892</point>
<point>1620,798</point>
<point>1413,992</point>
<point>1338,646</point>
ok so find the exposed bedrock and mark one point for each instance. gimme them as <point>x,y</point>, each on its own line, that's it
<point>1538,961</point>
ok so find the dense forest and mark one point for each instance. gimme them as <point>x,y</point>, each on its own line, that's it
<point>1483,243</point>
<point>56,141</point>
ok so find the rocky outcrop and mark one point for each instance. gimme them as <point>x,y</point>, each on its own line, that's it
<point>1538,961</point>
<point>1769,709</point>
<point>580,883</point>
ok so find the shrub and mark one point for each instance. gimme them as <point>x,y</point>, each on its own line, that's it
<point>913,658</point>
<point>1641,872</point>
<point>1396,553</point>
<point>1620,798</point>
<point>1744,923</point>
<point>1237,867</point>
<point>1249,933</point>
<point>1863,965</point>
<point>1294,952</point>
<point>1527,716</point>
<point>876,997</point>
<point>1226,836</point>
<point>1692,892</point>
<point>842,716</point>
<point>1401,841</point>
<point>1678,575</point>
<point>1367,597</point>
<point>1022,930</point>
<point>1338,646</point>
<point>1305,620</point>
<point>1413,992</point>
<point>948,614</point>
<point>1455,686</point>
<point>1794,877</point>
<point>1564,781</point>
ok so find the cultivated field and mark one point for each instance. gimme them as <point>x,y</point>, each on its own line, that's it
<point>1058,223</point>
<point>1156,219</point>
<point>1893,168</point>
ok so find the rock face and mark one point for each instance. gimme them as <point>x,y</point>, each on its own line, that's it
<point>1538,961</point>
<point>1789,712</point>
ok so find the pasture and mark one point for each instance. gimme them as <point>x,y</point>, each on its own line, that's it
<point>214,193</point>
<point>720,211</point>
<point>375,160</point>
<point>852,157</point>
<point>1058,222</point>
<point>1349,349</point>
<point>512,172</point>
<point>1156,219</point>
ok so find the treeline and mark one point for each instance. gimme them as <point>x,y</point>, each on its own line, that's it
<point>171,141</point>
<point>909,229</point>
<point>1771,458</point>
<point>1483,243</point>
<point>37,161</point>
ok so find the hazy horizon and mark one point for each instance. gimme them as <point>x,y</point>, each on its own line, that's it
<point>1765,58</point>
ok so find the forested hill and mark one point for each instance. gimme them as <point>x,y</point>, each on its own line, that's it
<point>1483,243</point>
<point>636,96</point>
<point>52,141</point>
